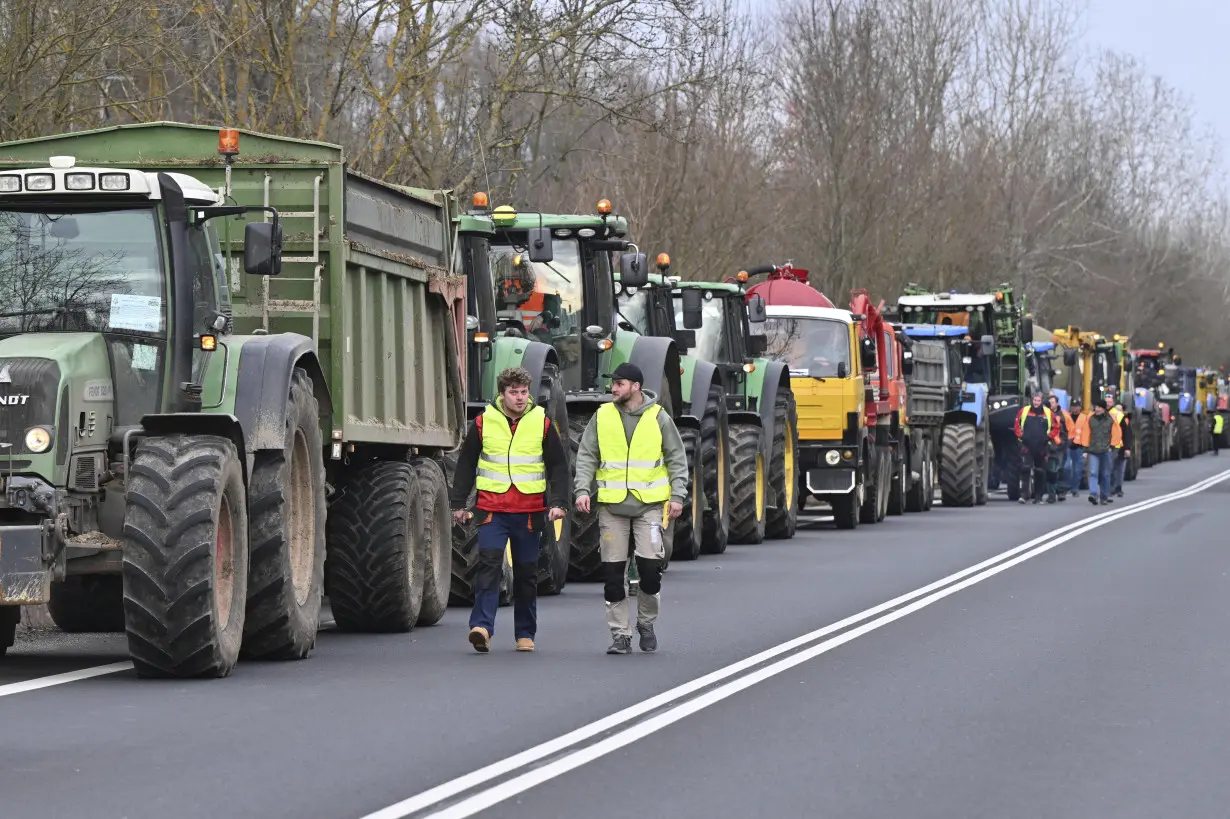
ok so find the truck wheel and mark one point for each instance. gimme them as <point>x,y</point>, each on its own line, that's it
<point>875,501</point>
<point>286,526</point>
<point>915,494</point>
<point>959,472</point>
<point>846,508</point>
<point>715,459</point>
<point>437,546</point>
<point>557,536</point>
<point>584,559</point>
<point>932,464</point>
<point>747,484</point>
<point>783,519</point>
<point>463,543</point>
<point>897,489</point>
<point>88,603</point>
<point>10,617</point>
<point>185,565</point>
<point>690,525</point>
<point>377,554</point>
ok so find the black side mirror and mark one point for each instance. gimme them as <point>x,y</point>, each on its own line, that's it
<point>686,339</point>
<point>634,270</point>
<point>842,370</point>
<point>1027,328</point>
<point>868,352</point>
<point>262,248</point>
<point>1069,357</point>
<point>756,309</point>
<point>541,249</point>
<point>988,345</point>
<point>693,300</point>
<point>907,363</point>
<point>756,345</point>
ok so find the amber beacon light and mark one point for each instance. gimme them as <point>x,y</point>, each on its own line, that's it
<point>228,142</point>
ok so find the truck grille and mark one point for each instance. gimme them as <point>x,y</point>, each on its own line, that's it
<point>28,389</point>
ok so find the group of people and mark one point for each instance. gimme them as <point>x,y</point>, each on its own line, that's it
<point>631,452</point>
<point>1056,444</point>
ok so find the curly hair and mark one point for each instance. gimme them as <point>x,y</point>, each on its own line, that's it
<point>512,377</point>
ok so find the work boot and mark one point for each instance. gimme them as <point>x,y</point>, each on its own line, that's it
<point>1050,498</point>
<point>1093,499</point>
<point>649,640</point>
<point>480,639</point>
<point>621,644</point>
<point>1022,501</point>
<point>525,644</point>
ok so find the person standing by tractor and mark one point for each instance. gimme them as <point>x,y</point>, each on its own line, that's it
<point>1124,450</point>
<point>1057,453</point>
<point>1036,428</point>
<point>632,450</point>
<point>1077,420</point>
<point>1103,437</point>
<point>1217,423</point>
<point>513,454</point>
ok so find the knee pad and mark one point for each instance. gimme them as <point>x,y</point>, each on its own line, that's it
<point>525,581</point>
<point>650,572</point>
<point>490,569</point>
<point>613,575</point>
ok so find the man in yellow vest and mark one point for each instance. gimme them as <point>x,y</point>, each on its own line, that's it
<point>1218,422</point>
<point>514,456</point>
<point>632,453</point>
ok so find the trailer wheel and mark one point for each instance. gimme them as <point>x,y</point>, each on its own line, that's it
<point>748,480</point>
<point>959,472</point>
<point>377,559</point>
<point>185,563</point>
<point>88,603</point>
<point>689,527</point>
<point>438,548</point>
<point>783,518</point>
<point>715,459</point>
<point>557,535</point>
<point>584,558</point>
<point>286,526</point>
<point>463,543</point>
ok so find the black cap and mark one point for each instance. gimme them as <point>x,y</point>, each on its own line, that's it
<point>629,372</point>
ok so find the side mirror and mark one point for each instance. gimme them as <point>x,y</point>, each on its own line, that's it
<point>633,270</point>
<point>756,345</point>
<point>842,370</point>
<point>262,248</point>
<point>868,352</point>
<point>693,300</point>
<point>686,339</point>
<point>756,309</point>
<point>1027,328</point>
<point>988,345</point>
<point>1069,357</point>
<point>541,249</point>
<point>907,364</point>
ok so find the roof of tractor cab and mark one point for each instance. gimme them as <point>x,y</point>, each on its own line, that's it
<point>528,220</point>
<point>935,330</point>
<point>803,312</point>
<point>945,299</point>
<point>725,287</point>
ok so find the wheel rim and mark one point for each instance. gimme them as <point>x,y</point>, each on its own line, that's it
<point>759,486</point>
<point>224,562</point>
<point>302,520</point>
<point>558,527</point>
<point>789,461</point>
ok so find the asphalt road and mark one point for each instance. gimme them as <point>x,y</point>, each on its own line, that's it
<point>1080,675</point>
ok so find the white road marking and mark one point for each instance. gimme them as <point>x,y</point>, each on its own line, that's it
<point>678,710</point>
<point>60,679</point>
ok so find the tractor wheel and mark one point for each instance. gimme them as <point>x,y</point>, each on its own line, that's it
<point>434,519</point>
<point>1187,438</point>
<point>557,535</point>
<point>463,542</point>
<point>88,603</point>
<point>748,480</point>
<point>783,518</point>
<point>377,561</point>
<point>687,530</point>
<point>286,530</point>
<point>916,492</point>
<point>585,558</point>
<point>959,470</point>
<point>1011,472</point>
<point>185,564</point>
<point>932,463</point>
<point>1145,442</point>
<point>715,442</point>
<point>10,617</point>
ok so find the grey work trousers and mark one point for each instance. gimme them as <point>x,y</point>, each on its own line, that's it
<point>646,528</point>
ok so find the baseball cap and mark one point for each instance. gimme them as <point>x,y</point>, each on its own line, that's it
<point>629,372</point>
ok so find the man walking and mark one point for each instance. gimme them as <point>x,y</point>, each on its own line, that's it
<point>1103,435</point>
<point>513,455</point>
<point>633,453</point>
<point>1217,423</point>
<point>1078,433</point>
<point>1056,481</point>
<point>1124,451</point>
<point>1035,429</point>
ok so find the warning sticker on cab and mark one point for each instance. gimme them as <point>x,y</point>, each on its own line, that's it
<point>141,313</point>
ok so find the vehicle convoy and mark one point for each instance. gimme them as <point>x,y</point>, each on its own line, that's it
<point>1157,435</point>
<point>180,422</point>
<point>849,398</point>
<point>938,354</point>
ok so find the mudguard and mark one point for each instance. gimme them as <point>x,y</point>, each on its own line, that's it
<point>703,375</point>
<point>658,358</point>
<point>743,417</point>
<point>975,406</point>
<point>262,387</point>
<point>536,355</point>
<point>775,376</point>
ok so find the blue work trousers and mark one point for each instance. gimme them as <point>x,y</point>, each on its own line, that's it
<point>1099,475</point>
<point>523,533</point>
<point>1074,469</point>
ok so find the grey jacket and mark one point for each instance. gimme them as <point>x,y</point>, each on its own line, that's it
<point>1099,433</point>
<point>672,451</point>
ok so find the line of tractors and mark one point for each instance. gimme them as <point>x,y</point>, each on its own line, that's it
<point>233,385</point>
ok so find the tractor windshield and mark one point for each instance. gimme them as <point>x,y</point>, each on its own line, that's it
<point>541,300</point>
<point>810,346</point>
<point>711,336</point>
<point>83,271</point>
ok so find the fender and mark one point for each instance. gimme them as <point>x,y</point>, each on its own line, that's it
<point>704,374</point>
<point>775,377</point>
<point>975,405</point>
<point>262,387</point>
<point>537,355</point>
<point>743,417</point>
<point>960,416</point>
<point>658,359</point>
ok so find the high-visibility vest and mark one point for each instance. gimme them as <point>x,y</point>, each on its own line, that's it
<point>510,458</point>
<point>1117,414</point>
<point>1218,421</point>
<point>639,467</point>
<point>1046,411</point>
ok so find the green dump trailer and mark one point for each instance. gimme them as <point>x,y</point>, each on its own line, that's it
<point>207,336</point>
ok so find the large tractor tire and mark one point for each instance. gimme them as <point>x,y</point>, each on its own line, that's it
<point>88,603</point>
<point>1011,473</point>
<point>1145,441</point>
<point>376,566</point>
<point>748,480</point>
<point>687,530</point>
<point>959,470</point>
<point>463,543</point>
<point>10,617</point>
<point>434,517</point>
<point>585,557</point>
<point>715,443</point>
<point>916,493</point>
<point>1187,436</point>
<point>185,563</point>
<point>783,518</point>
<point>286,530</point>
<point>557,535</point>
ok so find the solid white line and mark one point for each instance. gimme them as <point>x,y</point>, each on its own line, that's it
<point>523,782</point>
<point>60,679</point>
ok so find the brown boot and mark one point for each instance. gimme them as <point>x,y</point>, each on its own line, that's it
<point>525,644</point>
<point>480,639</point>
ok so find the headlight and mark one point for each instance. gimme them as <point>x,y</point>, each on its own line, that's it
<point>832,457</point>
<point>38,440</point>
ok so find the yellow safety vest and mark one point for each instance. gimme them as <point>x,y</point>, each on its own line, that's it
<point>510,458</point>
<point>1218,421</point>
<point>639,468</point>
<point>1117,414</point>
<point>1046,412</point>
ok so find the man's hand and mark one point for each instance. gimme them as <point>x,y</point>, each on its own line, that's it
<point>461,515</point>
<point>556,513</point>
<point>583,503</point>
<point>675,510</point>
<point>1127,453</point>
